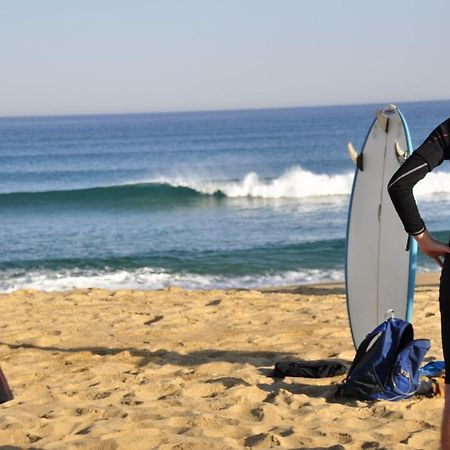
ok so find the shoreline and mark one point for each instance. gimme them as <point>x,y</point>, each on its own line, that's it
<point>422,279</point>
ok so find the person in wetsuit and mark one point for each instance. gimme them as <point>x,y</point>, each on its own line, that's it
<point>434,150</point>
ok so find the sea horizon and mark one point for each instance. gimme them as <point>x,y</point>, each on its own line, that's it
<point>218,110</point>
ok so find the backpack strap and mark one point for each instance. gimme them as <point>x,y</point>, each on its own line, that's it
<point>362,349</point>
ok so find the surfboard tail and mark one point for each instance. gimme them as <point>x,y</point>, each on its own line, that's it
<point>383,121</point>
<point>383,116</point>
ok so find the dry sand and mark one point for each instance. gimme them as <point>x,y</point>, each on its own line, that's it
<point>176,369</point>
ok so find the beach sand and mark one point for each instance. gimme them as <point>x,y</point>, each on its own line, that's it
<point>177,369</point>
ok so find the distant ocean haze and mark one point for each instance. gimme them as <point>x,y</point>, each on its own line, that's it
<point>199,200</point>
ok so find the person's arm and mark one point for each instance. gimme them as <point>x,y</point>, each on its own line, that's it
<point>428,156</point>
<point>400,189</point>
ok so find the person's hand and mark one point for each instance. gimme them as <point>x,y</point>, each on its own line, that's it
<point>432,247</point>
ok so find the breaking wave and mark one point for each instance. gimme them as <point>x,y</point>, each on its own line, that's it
<point>295,183</point>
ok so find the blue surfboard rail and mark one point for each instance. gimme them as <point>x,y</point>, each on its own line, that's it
<point>413,243</point>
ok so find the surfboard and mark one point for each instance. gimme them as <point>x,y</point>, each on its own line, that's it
<point>379,271</point>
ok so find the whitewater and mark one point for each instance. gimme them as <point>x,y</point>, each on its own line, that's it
<point>296,183</point>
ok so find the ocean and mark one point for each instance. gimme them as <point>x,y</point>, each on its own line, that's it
<point>201,200</point>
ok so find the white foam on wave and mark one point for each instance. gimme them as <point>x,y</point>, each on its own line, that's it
<point>297,182</point>
<point>150,279</point>
<point>433,183</point>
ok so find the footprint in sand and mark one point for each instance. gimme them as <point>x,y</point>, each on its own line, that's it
<point>263,440</point>
<point>382,411</point>
<point>129,400</point>
<point>86,430</point>
<point>154,320</point>
<point>229,382</point>
<point>214,303</point>
<point>101,395</point>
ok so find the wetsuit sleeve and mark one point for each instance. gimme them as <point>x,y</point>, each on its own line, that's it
<point>436,147</point>
<point>400,189</point>
<point>434,150</point>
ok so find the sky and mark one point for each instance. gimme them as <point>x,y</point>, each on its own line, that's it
<point>111,56</point>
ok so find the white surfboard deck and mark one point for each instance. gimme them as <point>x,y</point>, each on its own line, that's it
<point>380,273</point>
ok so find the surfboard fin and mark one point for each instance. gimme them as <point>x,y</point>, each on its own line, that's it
<point>400,154</point>
<point>383,121</point>
<point>356,157</point>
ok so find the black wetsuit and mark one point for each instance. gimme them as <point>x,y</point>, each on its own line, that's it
<point>434,150</point>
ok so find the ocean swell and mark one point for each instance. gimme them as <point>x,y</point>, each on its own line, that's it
<point>295,183</point>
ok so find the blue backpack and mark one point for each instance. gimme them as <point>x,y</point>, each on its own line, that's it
<point>386,364</point>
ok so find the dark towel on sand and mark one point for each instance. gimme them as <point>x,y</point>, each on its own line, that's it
<point>308,369</point>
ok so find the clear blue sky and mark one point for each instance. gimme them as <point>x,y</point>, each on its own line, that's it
<point>91,56</point>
